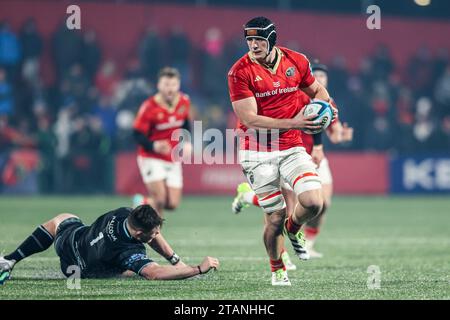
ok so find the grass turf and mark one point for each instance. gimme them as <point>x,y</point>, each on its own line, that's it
<point>406,237</point>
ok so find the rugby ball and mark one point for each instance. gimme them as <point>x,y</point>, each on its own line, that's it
<point>324,115</point>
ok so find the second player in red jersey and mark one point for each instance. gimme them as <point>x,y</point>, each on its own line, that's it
<point>158,121</point>
<point>154,131</point>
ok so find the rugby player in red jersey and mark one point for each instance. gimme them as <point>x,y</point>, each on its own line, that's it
<point>337,133</point>
<point>264,87</point>
<point>157,120</point>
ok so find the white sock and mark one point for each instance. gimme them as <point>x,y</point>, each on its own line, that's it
<point>248,197</point>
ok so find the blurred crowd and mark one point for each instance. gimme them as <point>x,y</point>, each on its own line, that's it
<point>80,122</point>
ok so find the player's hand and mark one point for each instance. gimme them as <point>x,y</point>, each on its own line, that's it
<point>317,154</point>
<point>347,133</point>
<point>209,263</point>
<point>335,112</point>
<point>162,147</point>
<point>301,122</point>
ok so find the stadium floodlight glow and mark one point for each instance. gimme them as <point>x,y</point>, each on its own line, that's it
<point>423,3</point>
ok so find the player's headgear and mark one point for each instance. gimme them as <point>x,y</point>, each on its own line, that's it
<point>261,28</point>
<point>317,66</point>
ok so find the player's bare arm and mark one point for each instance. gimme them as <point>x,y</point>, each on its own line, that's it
<point>154,271</point>
<point>163,248</point>
<point>246,110</point>
<point>317,91</point>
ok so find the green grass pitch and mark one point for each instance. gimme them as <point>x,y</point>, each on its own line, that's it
<point>408,238</point>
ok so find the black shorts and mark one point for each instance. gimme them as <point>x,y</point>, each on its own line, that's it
<point>65,244</point>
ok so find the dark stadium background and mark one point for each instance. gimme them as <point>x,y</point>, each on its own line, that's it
<point>67,97</point>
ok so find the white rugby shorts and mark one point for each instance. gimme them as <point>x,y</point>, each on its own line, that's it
<point>153,169</point>
<point>266,170</point>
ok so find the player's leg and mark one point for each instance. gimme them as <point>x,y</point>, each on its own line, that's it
<point>157,195</point>
<point>174,196</point>
<point>313,226</point>
<point>154,174</point>
<point>298,169</point>
<point>39,240</point>
<point>174,183</point>
<point>264,177</point>
<point>291,201</point>
<point>273,236</point>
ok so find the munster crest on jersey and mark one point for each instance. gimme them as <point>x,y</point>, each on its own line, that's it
<point>290,71</point>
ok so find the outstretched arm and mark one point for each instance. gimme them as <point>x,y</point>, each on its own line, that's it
<point>154,271</point>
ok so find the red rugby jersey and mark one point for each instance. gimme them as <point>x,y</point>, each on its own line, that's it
<point>276,92</point>
<point>158,121</point>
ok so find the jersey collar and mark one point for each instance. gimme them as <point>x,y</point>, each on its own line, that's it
<point>125,229</point>
<point>160,101</point>
<point>277,63</point>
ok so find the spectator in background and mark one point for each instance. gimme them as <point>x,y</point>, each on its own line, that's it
<point>31,42</point>
<point>382,63</point>
<point>106,113</point>
<point>102,156</point>
<point>46,144</point>
<point>63,129</point>
<point>178,53</point>
<point>6,95</point>
<point>444,137</point>
<point>90,54</point>
<point>214,66</point>
<point>338,78</point>
<point>441,62</point>
<point>88,149</point>
<point>81,145</point>
<point>133,89</point>
<point>10,50</point>
<point>107,79</point>
<point>442,92</point>
<point>425,130</point>
<point>151,54</point>
<point>10,138</point>
<point>67,46</point>
<point>405,120</point>
<point>420,71</point>
<point>379,134</point>
<point>75,84</point>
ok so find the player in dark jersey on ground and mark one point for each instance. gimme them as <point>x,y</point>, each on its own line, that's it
<point>112,246</point>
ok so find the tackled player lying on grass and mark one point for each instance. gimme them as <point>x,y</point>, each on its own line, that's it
<point>112,246</point>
